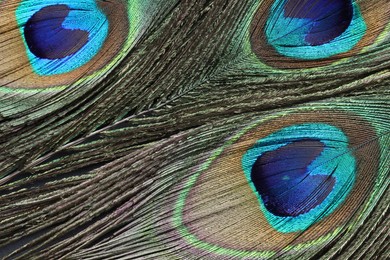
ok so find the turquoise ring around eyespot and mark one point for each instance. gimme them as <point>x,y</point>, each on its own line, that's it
<point>300,173</point>
<point>59,43</point>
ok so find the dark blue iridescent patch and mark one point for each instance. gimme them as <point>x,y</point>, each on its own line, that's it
<point>329,18</point>
<point>61,36</point>
<point>300,174</point>
<point>282,178</point>
<point>48,39</point>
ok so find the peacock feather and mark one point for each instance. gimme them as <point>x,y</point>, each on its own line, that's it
<point>183,129</point>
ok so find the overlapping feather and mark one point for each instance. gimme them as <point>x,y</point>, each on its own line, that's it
<point>144,159</point>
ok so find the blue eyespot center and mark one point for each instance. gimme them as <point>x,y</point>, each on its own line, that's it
<point>283,180</point>
<point>48,39</point>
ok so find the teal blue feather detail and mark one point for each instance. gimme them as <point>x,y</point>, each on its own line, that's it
<point>287,34</point>
<point>336,160</point>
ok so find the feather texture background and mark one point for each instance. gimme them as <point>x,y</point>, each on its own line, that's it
<point>147,149</point>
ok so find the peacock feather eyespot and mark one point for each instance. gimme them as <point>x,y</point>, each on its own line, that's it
<point>55,43</point>
<point>56,32</point>
<point>287,183</point>
<point>306,34</point>
<point>301,172</point>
